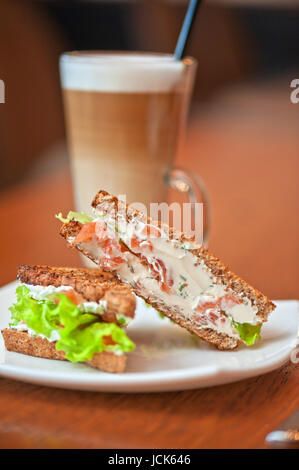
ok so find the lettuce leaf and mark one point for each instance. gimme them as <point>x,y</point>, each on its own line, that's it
<point>160,314</point>
<point>78,216</point>
<point>81,334</point>
<point>42,317</point>
<point>147,305</point>
<point>248,333</point>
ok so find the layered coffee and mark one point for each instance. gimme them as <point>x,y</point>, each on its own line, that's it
<point>123,117</point>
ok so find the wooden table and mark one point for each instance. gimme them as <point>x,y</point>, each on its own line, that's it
<point>251,169</point>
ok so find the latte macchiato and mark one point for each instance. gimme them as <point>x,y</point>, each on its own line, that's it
<point>124,115</point>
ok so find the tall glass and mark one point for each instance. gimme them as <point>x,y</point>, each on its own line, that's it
<point>125,117</point>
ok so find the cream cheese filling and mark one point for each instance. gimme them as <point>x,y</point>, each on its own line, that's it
<point>42,292</point>
<point>22,326</point>
<point>134,271</point>
<point>193,284</point>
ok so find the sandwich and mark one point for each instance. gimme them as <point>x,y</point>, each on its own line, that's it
<point>71,314</point>
<point>170,271</point>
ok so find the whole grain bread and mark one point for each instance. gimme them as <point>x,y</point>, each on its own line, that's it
<point>93,284</point>
<point>22,342</point>
<point>108,204</point>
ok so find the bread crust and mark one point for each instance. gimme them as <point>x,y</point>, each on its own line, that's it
<point>107,203</point>
<point>22,342</point>
<point>221,340</point>
<point>93,284</point>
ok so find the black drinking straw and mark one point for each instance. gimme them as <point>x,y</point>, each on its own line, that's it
<point>188,20</point>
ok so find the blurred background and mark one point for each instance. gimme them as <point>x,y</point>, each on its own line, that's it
<point>242,138</point>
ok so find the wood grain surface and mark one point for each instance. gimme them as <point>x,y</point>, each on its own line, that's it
<point>230,416</point>
<point>250,166</point>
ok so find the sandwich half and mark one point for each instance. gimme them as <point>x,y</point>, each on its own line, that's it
<point>170,271</point>
<point>71,314</point>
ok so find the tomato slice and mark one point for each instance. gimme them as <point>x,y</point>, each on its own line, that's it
<point>86,233</point>
<point>159,269</point>
<point>111,263</point>
<point>146,244</point>
<point>108,246</point>
<point>73,296</point>
<point>213,317</point>
<point>111,255</point>
<point>140,244</point>
<point>203,306</point>
<point>108,340</point>
<point>92,228</point>
<point>151,231</point>
<point>111,248</point>
<point>123,247</point>
<point>228,301</point>
<point>223,303</point>
<point>117,260</point>
<point>135,243</point>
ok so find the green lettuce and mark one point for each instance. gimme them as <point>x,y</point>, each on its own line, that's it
<point>248,333</point>
<point>78,216</point>
<point>81,334</point>
<point>160,314</point>
<point>147,305</point>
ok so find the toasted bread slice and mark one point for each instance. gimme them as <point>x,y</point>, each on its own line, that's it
<point>92,284</point>
<point>22,342</point>
<point>112,210</point>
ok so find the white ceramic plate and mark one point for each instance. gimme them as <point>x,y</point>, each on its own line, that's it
<point>166,357</point>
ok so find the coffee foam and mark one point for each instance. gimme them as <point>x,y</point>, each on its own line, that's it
<point>121,72</point>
